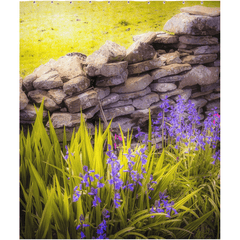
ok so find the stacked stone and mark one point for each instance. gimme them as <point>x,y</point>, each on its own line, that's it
<point>127,83</point>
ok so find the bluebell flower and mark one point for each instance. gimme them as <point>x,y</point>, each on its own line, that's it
<point>81,226</point>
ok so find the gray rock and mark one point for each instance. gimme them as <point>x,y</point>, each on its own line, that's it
<point>139,51</point>
<point>199,59</point>
<point>166,38</point>
<point>133,84</point>
<point>127,96</point>
<point>139,117</point>
<point>107,69</point>
<point>171,58</point>
<point>57,95</point>
<point>51,63</point>
<point>184,23</point>
<point>76,85</point>
<point>210,87</point>
<point>169,79</point>
<point>200,75</point>
<point>145,37</point>
<point>112,81</point>
<point>84,100</point>
<point>63,109</point>
<point>42,69</point>
<point>201,10</point>
<point>69,67</point>
<point>59,120</point>
<point>212,96</point>
<point>199,102</point>
<point>206,49</point>
<point>198,40</point>
<point>160,51</point>
<point>119,111</point>
<point>119,104</point>
<point>170,94</point>
<point>186,94</point>
<point>145,101</point>
<point>124,122</point>
<point>213,104</point>
<point>28,81</point>
<point>48,81</point>
<point>172,69</point>
<point>23,100</point>
<point>145,66</point>
<point>199,94</point>
<point>102,92</point>
<point>162,87</point>
<point>28,114</point>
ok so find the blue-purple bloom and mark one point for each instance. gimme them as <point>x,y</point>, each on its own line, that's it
<point>81,226</point>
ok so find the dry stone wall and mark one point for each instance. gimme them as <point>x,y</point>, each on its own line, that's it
<point>128,82</point>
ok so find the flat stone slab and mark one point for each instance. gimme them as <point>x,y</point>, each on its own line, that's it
<point>133,84</point>
<point>185,23</point>
<point>166,38</point>
<point>107,69</point>
<point>119,111</point>
<point>83,100</point>
<point>148,37</point>
<point>23,100</point>
<point>102,92</point>
<point>199,102</point>
<point>57,95</point>
<point>140,116</point>
<point>169,79</point>
<point>200,75</point>
<point>210,87</point>
<point>132,95</point>
<point>118,104</point>
<point>145,66</point>
<point>76,85</point>
<point>48,81</point>
<point>171,58</point>
<point>162,87</point>
<point>206,49</point>
<point>199,59</point>
<point>59,120</point>
<point>112,81</point>
<point>199,94</point>
<point>198,40</point>
<point>186,94</point>
<point>124,122</point>
<point>172,69</point>
<point>42,69</point>
<point>211,105</point>
<point>212,96</point>
<point>145,101</point>
<point>201,10</point>
<point>69,67</point>
<point>170,94</point>
<point>28,81</point>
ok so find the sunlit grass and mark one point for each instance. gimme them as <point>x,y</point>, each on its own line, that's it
<point>52,30</point>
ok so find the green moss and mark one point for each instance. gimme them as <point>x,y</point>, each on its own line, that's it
<point>52,30</point>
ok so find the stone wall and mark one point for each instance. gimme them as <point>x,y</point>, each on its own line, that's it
<point>126,83</point>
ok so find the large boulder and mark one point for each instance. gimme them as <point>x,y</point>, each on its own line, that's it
<point>172,69</point>
<point>83,101</point>
<point>76,85</point>
<point>199,59</point>
<point>201,10</point>
<point>200,75</point>
<point>133,84</point>
<point>198,40</point>
<point>184,23</point>
<point>145,101</point>
<point>132,95</point>
<point>48,81</point>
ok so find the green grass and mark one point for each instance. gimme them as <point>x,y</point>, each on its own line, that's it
<point>52,30</point>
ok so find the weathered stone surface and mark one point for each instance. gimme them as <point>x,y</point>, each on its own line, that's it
<point>186,94</point>
<point>38,95</point>
<point>155,107</point>
<point>200,75</point>
<point>172,69</point>
<point>206,49</point>
<point>162,87</point>
<point>160,51</point>
<point>28,81</point>
<point>42,69</point>
<point>171,58</point>
<point>184,23</point>
<point>69,67</point>
<point>119,104</point>
<point>28,114</point>
<point>199,59</point>
<point>198,40</point>
<point>76,85</point>
<point>145,101</point>
<point>148,37</point>
<point>201,10</point>
<point>63,109</point>
<point>140,116</point>
<point>165,38</point>
<point>211,105</point>
<point>139,51</point>
<point>109,52</point>
<point>23,100</point>
<point>51,63</point>
<point>170,94</point>
<point>48,81</point>
<point>212,96</point>
<point>132,95</point>
<point>102,92</point>
<point>199,94</point>
<point>112,81</point>
<point>145,66</point>
<point>60,120</point>
<point>83,100</point>
<point>199,102</point>
<point>133,84</point>
<point>119,111</point>
<point>107,70</point>
<point>210,87</point>
<point>90,112</point>
<point>185,51</point>
<point>57,95</point>
<point>125,123</point>
<point>169,79</point>
<point>217,89</point>
<point>20,82</point>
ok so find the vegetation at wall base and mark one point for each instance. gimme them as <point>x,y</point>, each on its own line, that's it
<point>81,191</point>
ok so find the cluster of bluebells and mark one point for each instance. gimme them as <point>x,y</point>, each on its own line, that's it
<point>102,227</point>
<point>163,206</point>
<point>81,226</point>
<point>67,153</point>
